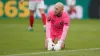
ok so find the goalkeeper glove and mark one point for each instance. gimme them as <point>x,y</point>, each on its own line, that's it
<point>50,44</point>
<point>57,47</point>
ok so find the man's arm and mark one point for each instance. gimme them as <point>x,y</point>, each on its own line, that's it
<point>48,33</point>
<point>66,27</point>
<point>60,42</point>
<point>58,46</point>
<point>65,30</point>
<point>48,26</point>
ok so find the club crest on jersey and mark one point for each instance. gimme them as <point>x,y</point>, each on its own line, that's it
<point>61,23</point>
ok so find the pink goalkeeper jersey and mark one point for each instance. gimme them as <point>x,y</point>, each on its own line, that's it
<point>57,23</point>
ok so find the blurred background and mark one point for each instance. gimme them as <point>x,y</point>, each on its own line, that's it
<point>83,35</point>
<point>83,9</point>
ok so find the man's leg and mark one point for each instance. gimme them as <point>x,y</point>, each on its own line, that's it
<point>32,7</point>
<point>31,20</point>
<point>43,16</point>
<point>61,38</point>
<point>41,10</point>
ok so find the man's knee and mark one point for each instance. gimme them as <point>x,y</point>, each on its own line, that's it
<point>62,46</point>
<point>31,12</point>
<point>41,11</point>
<point>46,44</point>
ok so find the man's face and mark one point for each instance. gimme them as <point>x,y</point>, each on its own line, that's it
<point>58,10</point>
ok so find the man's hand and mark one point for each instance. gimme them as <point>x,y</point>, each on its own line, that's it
<point>57,47</point>
<point>50,44</point>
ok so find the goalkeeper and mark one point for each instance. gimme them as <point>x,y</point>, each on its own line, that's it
<point>57,25</point>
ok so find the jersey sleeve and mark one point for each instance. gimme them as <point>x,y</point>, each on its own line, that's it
<point>49,17</point>
<point>66,26</point>
<point>66,19</point>
<point>48,26</point>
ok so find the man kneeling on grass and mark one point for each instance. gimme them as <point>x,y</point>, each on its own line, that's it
<point>57,25</point>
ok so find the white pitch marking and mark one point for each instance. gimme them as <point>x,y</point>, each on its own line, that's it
<point>53,52</point>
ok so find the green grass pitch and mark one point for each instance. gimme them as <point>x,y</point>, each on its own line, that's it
<point>15,39</point>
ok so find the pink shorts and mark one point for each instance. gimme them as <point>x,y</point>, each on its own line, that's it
<point>56,35</point>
